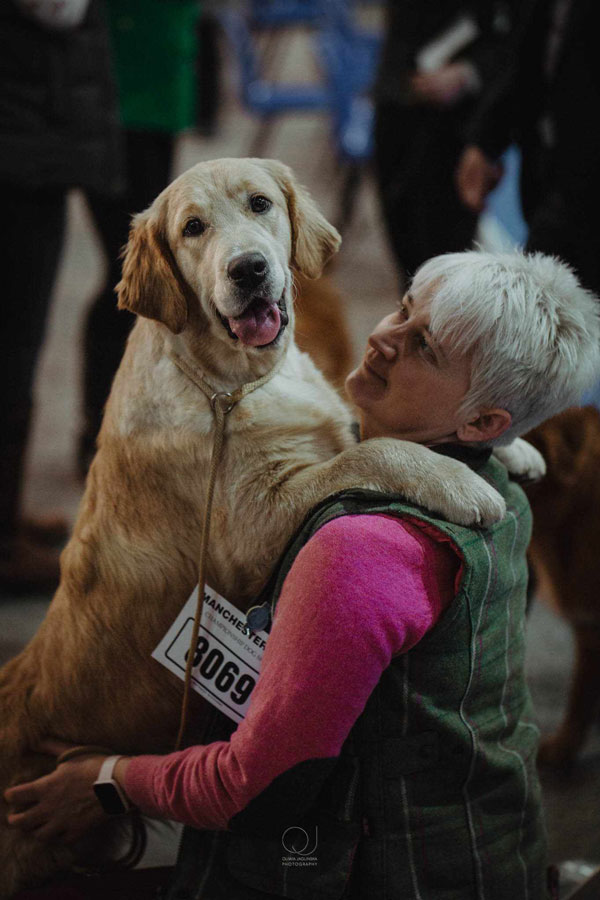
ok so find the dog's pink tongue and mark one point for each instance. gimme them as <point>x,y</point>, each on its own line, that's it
<point>258,326</point>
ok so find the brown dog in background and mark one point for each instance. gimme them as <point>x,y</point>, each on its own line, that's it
<point>565,554</point>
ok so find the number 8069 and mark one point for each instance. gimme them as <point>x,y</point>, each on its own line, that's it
<point>225,675</point>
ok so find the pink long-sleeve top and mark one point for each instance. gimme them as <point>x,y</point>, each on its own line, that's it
<point>363,589</point>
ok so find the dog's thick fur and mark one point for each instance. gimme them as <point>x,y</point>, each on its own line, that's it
<point>564,554</point>
<point>87,676</point>
<point>321,329</point>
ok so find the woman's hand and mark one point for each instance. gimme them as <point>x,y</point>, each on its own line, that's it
<point>476,176</point>
<point>445,86</point>
<point>61,805</point>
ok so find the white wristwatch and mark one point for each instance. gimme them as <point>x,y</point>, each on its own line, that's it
<point>110,794</point>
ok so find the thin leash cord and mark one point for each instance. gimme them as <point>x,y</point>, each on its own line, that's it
<point>214,464</point>
<point>221,404</point>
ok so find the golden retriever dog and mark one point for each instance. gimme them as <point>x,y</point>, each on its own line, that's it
<point>208,269</point>
<point>564,553</point>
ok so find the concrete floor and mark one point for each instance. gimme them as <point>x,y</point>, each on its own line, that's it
<point>367,280</point>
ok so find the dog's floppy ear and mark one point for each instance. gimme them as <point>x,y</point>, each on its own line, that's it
<point>151,284</point>
<point>314,240</point>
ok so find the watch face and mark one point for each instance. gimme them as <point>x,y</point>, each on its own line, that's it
<point>109,797</point>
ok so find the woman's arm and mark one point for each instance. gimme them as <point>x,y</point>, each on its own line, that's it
<point>362,590</point>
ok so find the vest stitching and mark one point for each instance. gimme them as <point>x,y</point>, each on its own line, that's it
<point>383,850</point>
<point>405,804</point>
<point>491,550</point>
<point>449,616</point>
<point>462,713</point>
<point>505,717</point>
<point>463,594</point>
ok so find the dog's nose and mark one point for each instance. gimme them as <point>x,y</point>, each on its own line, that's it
<point>248,270</point>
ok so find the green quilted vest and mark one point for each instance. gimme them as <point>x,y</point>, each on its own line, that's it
<point>435,795</point>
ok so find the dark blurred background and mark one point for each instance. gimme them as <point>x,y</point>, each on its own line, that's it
<point>372,108</point>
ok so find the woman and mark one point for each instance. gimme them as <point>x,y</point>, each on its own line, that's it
<point>389,748</point>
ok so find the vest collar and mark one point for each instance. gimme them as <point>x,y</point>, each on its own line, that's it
<point>474,457</point>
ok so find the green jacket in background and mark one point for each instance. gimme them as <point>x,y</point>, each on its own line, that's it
<point>155,49</point>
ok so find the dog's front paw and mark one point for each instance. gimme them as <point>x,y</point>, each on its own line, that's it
<point>463,497</point>
<point>522,460</point>
<point>439,483</point>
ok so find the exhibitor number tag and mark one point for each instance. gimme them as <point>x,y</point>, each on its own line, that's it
<point>226,661</point>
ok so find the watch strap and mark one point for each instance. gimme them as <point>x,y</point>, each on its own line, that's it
<point>105,777</point>
<point>106,769</point>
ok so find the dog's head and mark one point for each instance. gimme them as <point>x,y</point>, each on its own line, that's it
<point>216,248</point>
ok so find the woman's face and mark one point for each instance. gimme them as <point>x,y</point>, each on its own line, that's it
<point>409,385</point>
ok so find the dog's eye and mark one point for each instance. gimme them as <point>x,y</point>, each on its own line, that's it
<point>193,227</point>
<point>260,204</point>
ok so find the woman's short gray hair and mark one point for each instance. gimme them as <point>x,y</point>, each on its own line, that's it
<point>533,330</point>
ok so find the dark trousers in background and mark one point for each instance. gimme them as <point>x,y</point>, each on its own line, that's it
<point>30,251</point>
<point>416,152</point>
<point>149,157</point>
<point>29,254</point>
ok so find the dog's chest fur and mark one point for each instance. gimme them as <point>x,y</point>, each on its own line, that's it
<point>161,425</point>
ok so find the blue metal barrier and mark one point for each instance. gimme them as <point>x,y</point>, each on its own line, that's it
<point>261,97</point>
<point>349,57</point>
<point>277,13</point>
<point>346,54</point>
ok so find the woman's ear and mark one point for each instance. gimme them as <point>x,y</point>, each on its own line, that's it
<point>314,240</point>
<point>151,284</point>
<point>487,426</point>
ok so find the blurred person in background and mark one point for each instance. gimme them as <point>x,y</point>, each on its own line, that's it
<point>436,60</point>
<point>209,72</point>
<point>155,52</point>
<point>58,129</point>
<point>547,102</point>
